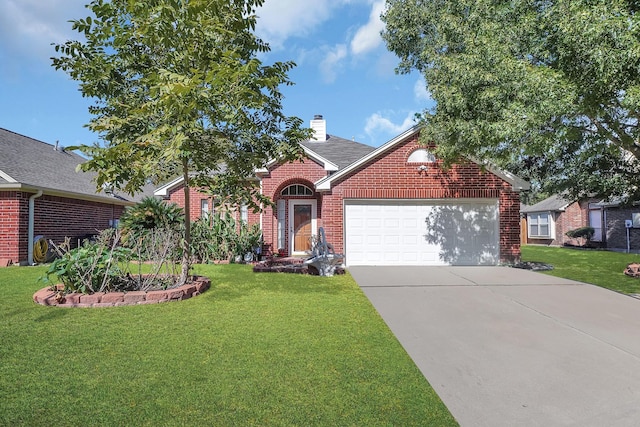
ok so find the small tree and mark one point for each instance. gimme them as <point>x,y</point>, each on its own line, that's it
<point>179,91</point>
<point>585,233</point>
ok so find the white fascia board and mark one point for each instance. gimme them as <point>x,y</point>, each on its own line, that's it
<point>328,165</point>
<point>97,197</point>
<point>163,191</point>
<point>325,183</point>
<point>7,177</point>
<point>516,182</point>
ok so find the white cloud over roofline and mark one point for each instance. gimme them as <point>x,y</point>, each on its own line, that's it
<point>382,123</point>
<point>368,37</point>
<point>421,92</point>
<point>331,64</point>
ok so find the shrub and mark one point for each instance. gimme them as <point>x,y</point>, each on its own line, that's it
<point>582,232</point>
<point>92,267</point>
<point>151,213</point>
<point>221,238</point>
<point>104,265</point>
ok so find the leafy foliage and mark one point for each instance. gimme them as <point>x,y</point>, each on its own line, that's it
<point>103,265</point>
<point>92,267</point>
<point>581,233</point>
<point>151,213</point>
<point>179,90</point>
<point>548,88</point>
<point>222,238</point>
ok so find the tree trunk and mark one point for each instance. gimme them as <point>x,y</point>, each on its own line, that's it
<point>186,242</point>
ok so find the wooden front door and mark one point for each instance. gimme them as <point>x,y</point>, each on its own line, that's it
<point>302,225</point>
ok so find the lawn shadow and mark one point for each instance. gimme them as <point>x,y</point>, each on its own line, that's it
<point>54,313</point>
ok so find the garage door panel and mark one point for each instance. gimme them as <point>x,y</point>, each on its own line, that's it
<point>421,232</point>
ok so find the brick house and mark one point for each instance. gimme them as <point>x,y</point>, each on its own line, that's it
<point>391,205</point>
<point>547,222</point>
<point>616,225</point>
<point>42,194</point>
<point>622,225</point>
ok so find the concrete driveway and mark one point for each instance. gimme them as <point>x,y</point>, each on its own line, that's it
<point>509,347</point>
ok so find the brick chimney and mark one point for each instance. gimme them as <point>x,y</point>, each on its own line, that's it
<point>319,127</point>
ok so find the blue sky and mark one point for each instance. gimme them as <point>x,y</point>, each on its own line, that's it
<point>344,70</point>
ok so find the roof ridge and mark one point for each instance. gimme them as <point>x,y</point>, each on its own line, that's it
<point>25,136</point>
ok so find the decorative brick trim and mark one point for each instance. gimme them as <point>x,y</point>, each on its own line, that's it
<point>47,296</point>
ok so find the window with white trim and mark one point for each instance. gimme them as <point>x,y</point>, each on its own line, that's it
<point>281,224</point>
<point>204,207</point>
<point>297,190</point>
<point>244,213</point>
<point>421,155</point>
<point>540,225</point>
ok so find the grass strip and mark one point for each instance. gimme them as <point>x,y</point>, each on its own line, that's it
<point>598,267</point>
<point>256,349</point>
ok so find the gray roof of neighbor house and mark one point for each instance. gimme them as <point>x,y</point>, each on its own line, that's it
<point>342,152</point>
<point>29,164</point>
<point>554,203</point>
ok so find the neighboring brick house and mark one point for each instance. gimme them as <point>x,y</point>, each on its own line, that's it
<point>547,222</point>
<point>621,224</point>
<point>40,181</point>
<point>616,225</point>
<point>391,205</point>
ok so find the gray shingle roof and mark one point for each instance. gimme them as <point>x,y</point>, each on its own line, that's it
<point>554,203</point>
<point>338,150</point>
<point>34,163</point>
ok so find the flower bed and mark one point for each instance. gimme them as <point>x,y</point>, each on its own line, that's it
<point>47,296</point>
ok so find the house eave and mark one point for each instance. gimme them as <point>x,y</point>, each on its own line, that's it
<point>324,184</point>
<point>112,200</point>
<point>7,177</point>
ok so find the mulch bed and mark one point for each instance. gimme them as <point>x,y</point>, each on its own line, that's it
<point>533,265</point>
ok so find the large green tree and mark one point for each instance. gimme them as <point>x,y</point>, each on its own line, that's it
<point>550,88</point>
<point>180,90</point>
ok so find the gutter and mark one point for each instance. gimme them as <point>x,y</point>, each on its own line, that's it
<point>31,221</point>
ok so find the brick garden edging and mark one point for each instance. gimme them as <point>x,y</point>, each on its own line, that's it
<point>198,285</point>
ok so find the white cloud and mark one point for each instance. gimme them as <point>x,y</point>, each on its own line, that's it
<point>421,92</point>
<point>377,123</point>
<point>331,63</point>
<point>279,20</point>
<point>28,27</point>
<point>368,37</point>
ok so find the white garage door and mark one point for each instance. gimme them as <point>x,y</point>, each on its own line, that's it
<point>423,232</point>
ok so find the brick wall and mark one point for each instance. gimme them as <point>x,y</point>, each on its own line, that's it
<point>281,176</point>
<point>54,217</point>
<point>390,177</point>
<point>616,230</point>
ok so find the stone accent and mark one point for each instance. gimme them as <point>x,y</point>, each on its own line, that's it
<point>47,296</point>
<point>288,265</point>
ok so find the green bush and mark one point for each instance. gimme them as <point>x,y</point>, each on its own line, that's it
<point>582,232</point>
<point>151,213</point>
<point>221,238</point>
<point>92,267</point>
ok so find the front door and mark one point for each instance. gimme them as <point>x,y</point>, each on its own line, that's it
<point>302,225</point>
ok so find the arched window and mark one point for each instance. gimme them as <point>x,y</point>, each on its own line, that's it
<point>297,190</point>
<point>421,155</point>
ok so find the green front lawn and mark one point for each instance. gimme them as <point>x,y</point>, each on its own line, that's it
<point>256,349</point>
<point>598,267</point>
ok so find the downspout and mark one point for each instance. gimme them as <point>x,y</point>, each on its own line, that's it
<point>30,230</point>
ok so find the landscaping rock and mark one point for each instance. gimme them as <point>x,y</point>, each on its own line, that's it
<point>632,270</point>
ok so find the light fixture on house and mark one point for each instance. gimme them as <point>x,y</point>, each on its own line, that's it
<point>423,169</point>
